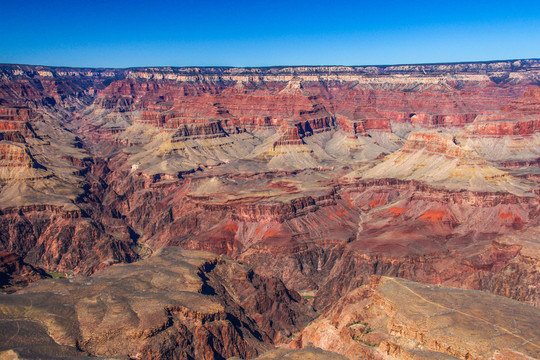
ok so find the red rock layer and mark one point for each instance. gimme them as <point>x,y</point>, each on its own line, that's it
<point>428,107</point>
<point>437,143</point>
<point>501,128</point>
<point>362,127</point>
<point>273,211</point>
<point>14,124</point>
<point>356,110</point>
<point>289,136</point>
<point>15,156</point>
<point>520,117</point>
<point>407,229</point>
<point>361,119</point>
<point>14,114</point>
<point>171,105</point>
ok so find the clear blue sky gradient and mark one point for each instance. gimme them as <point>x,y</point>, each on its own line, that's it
<point>264,33</point>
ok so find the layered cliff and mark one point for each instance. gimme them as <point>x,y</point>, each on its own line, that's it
<point>316,177</point>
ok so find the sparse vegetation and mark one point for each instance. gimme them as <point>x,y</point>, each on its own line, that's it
<point>56,275</point>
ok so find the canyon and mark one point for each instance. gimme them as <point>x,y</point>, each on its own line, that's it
<point>367,212</point>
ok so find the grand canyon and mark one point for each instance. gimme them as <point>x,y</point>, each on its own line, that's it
<point>323,212</point>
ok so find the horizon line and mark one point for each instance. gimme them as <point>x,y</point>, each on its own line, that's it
<point>270,66</point>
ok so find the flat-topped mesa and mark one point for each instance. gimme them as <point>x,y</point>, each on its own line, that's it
<point>350,127</point>
<point>312,121</point>
<point>317,125</point>
<point>274,211</point>
<point>170,119</point>
<point>315,120</point>
<point>425,192</point>
<point>428,118</point>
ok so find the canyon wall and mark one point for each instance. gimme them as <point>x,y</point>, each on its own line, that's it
<point>316,178</point>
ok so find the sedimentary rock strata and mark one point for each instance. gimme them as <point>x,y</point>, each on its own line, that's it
<point>314,177</point>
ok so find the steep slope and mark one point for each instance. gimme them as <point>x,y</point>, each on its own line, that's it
<point>400,319</point>
<point>439,159</point>
<point>161,307</point>
<point>15,273</point>
<point>45,206</point>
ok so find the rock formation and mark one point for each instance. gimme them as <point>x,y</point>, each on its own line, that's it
<point>314,178</point>
<point>406,320</point>
<point>15,273</point>
<point>161,307</point>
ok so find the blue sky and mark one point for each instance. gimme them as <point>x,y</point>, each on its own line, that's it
<point>264,33</point>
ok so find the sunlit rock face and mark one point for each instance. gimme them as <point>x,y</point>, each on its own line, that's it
<point>396,318</point>
<point>316,178</point>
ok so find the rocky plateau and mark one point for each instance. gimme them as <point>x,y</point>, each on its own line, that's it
<point>376,212</point>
